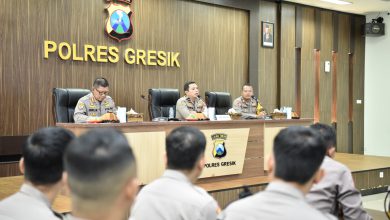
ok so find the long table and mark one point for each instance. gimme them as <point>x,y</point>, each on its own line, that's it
<point>248,144</point>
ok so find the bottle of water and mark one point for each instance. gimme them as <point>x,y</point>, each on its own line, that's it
<point>171,114</point>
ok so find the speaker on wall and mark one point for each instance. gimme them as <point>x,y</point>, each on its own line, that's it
<point>375,28</point>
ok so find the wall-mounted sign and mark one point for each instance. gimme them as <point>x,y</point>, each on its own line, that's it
<point>118,24</point>
<point>105,54</point>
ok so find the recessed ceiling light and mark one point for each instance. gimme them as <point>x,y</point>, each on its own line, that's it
<point>338,2</point>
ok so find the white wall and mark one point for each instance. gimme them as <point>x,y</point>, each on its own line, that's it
<point>377,92</point>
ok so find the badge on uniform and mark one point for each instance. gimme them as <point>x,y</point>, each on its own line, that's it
<point>80,105</point>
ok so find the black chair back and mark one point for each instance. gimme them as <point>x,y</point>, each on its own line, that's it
<point>161,100</point>
<point>64,103</point>
<point>221,101</point>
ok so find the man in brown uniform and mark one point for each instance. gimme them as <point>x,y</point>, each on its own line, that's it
<point>336,191</point>
<point>246,104</point>
<point>190,104</point>
<point>96,103</point>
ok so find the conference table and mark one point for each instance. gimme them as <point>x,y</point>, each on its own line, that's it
<point>250,139</point>
<point>246,144</point>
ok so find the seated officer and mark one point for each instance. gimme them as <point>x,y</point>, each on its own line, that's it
<point>293,168</point>
<point>336,191</point>
<point>101,174</point>
<point>96,103</point>
<point>247,105</point>
<point>174,196</point>
<point>190,104</point>
<point>42,167</point>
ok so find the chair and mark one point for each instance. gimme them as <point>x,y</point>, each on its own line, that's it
<point>64,103</point>
<point>221,101</point>
<point>161,100</point>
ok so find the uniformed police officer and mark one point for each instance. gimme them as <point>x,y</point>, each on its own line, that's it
<point>42,167</point>
<point>247,105</point>
<point>101,175</point>
<point>293,168</point>
<point>96,103</point>
<point>336,191</point>
<point>174,196</point>
<point>190,103</point>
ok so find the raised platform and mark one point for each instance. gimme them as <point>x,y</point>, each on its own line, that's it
<point>369,173</point>
<point>365,171</point>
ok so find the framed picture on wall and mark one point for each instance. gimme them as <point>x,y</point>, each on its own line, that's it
<point>267,30</point>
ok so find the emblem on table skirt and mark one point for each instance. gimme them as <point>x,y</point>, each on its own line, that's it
<point>219,150</point>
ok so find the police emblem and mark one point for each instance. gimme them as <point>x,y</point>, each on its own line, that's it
<point>118,24</point>
<point>219,150</point>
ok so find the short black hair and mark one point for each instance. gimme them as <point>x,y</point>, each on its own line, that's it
<point>298,153</point>
<point>42,154</point>
<point>98,162</point>
<point>328,134</point>
<point>187,85</point>
<point>184,147</point>
<point>246,84</point>
<point>100,82</point>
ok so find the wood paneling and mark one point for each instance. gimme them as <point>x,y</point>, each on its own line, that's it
<point>325,96</point>
<point>298,26</point>
<point>9,169</point>
<point>358,86</point>
<point>307,62</point>
<point>342,83</point>
<point>212,41</point>
<point>287,57</point>
<point>268,87</point>
<point>225,197</point>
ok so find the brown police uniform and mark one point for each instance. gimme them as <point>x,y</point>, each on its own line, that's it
<point>185,106</point>
<point>88,106</point>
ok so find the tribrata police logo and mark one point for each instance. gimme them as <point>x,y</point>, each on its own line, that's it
<point>219,150</point>
<point>118,24</point>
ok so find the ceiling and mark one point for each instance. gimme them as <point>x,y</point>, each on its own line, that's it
<point>358,7</point>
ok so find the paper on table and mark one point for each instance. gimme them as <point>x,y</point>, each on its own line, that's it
<point>121,113</point>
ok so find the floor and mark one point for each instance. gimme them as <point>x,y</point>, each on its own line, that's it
<point>374,204</point>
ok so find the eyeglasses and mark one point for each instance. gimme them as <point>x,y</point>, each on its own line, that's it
<point>101,93</point>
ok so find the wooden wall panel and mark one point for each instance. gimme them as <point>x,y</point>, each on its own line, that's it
<point>358,87</point>
<point>287,57</point>
<point>212,41</point>
<point>325,96</point>
<point>307,54</point>
<point>9,169</point>
<point>268,60</point>
<point>225,197</point>
<point>342,82</point>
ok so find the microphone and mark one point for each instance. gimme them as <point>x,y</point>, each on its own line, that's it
<point>144,97</point>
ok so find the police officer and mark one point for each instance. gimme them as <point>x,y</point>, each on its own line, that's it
<point>174,196</point>
<point>247,104</point>
<point>292,173</point>
<point>190,103</point>
<point>42,167</point>
<point>96,103</point>
<point>336,191</point>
